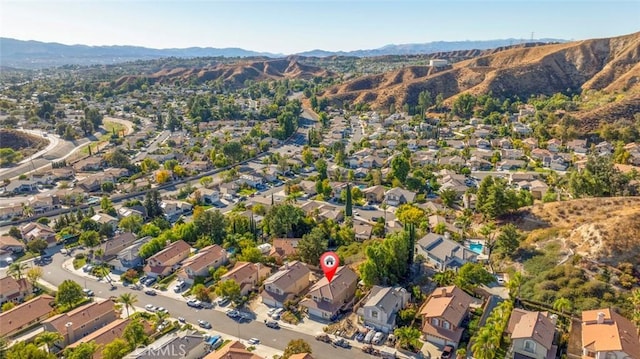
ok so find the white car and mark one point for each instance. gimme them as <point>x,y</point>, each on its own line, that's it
<point>150,308</point>
<point>161,310</point>
<point>254,341</point>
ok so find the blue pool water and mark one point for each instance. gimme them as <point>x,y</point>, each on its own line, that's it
<point>476,247</point>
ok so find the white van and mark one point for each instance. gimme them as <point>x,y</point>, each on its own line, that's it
<point>369,336</point>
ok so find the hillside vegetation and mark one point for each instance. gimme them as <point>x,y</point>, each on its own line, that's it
<point>610,65</point>
<point>601,229</point>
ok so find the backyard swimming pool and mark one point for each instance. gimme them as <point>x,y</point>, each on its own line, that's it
<point>476,247</point>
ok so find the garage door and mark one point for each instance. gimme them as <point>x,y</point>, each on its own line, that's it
<point>269,301</point>
<point>435,340</point>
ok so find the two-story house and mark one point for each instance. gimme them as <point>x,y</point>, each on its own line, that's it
<point>532,335</point>
<point>184,345</point>
<point>113,246</point>
<point>174,209</point>
<point>14,290</point>
<point>443,314</point>
<point>81,321</point>
<point>200,263</point>
<point>247,275</point>
<point>608,335</point>
<point>382,305</point>
<point>105,219</point>
<point>25,315</point>
<point>129,257</point>
<point>444,253</point>
<point>11,245</point>
<point>397,196</point>
<point>34,230</point>
<point>326,299</point>
<point>167,260</point>
<point>108,334</point>
<point>44,203</point>
<point>287,283</point>
<point>234,350</point>
<point>283,248</point>
<point>374,194</point>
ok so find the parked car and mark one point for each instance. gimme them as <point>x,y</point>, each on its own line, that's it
<point>194,303</point>
<point>150,307</point>
<point>222,301</point>
<point>204,324</point>
<point>162,310</point>
<point>360,336</point>
<point>254,341</point>
<point>272,324</point>
<point>323,338</point>
<point>233,313</point>
<point>276,315</point>
<point>150,292</point>
<point>447,352</point>
<point>181,319</point>
<point>88,292</point>
<point>369,336</point>
<point>377,338</point>
<point>341,342</point>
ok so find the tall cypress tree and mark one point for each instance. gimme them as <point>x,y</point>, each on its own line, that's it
<point>348,211</point>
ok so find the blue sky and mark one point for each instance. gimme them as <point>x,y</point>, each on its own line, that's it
<point>287,26</point>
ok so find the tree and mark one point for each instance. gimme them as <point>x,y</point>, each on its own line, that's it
<point>296,346</point>
<point>84,350</point>
<point>15,232</point>
<point>34,274</point>
<point>134,334</point>
<point>562,304</point>
<point>514,284</point>
<point>163,176</point>
<point>152,204</point>
<point>9,156</point>
<point>509,239</point>
<point>93,115</point>
<point>486,344</point>
<point>202,292</point>
<point>22,350</point>
<point>17,270</point>
<point>386,262</point>
<point>448,196</point>
<point>211,223</point>
<point>132,223</point>
<point>206,181</point>
<point>48,339</point>
<point>312,246</point>
<point>8,306</point>
<point>230,289</point>
<point>37,246</point>
<point>90,238</point>
<point>410,214</point>
<point>69,293</point>
<point>424,102</point>
<point>348,212</point>
<point>233,151</point>
<point>128,300</point>
<point>117,349</point>
<point>400,168</point>
<point>488,231</point>
<point>282,219</point>
<point>444,278</point>
<point>408,337</point>
<point>470,275</point>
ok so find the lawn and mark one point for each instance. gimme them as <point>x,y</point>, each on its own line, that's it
<point>79,263</point>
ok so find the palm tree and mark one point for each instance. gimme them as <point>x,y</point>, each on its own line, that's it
<point>463,222</point>
<point>27,211</point>
<point>486,344</point>
<point>514,284</point>
<point>562,304</point>
<point>635,301</point>
<point>407,337</point>
<point>48,339</point>
<point>488,231</point>
<point>98,253</point>
<point>128,300</point>
<point>160,317</point>
<point>16,270</point>
<point>444,278</point>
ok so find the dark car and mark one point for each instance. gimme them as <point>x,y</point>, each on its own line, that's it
<point>447,352</point>
<point>150,292</point>
<point>342,343</point>
<point>273,324</point>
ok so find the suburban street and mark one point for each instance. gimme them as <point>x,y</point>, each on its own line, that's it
<point>54,274</point>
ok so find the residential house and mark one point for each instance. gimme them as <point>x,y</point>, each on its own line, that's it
<point>113,246</point>
<point>443,314</point>
<point>554,145</point>
<point>362,230</point>
<point>283,248</point>
<point>286,284</point>
<point>371,162</point>
<point>197,166</point>
<point>234,350</point>
<point>540,154</point>
<point>11,245</point>
<point>606,334</point>
<point>209,196</point>
<point>309,188</point>
<point>89,164</point>
<point>25,315</point>
<point>82,321</point>
<point>129,257</point>
<point>21,186</point>
<point>167,260</point>
<point>326,299</point>
<point>247,275</point>
<point>530,142</point>
<point>10,211</point>
<point>483,144</point>
<point>397,196</point>
<point>508,165</point>
<point>532,335</point>
<point>374,194</point>
<point>558,163</point>
<point>578,146</point>
<point>34,230</point>
<point>250,180</point>
<point>512,154</point>
<point>182,345</point>
<point>444,253</point>
<point>14,290</point>
<point>44,203</point>
<point>124,212</point>
<point>382,306</point>
<point>174,209</point>
<point>108,334</point>
<point>200,263</point>
<point>604,148</point>
<point>105,219</point>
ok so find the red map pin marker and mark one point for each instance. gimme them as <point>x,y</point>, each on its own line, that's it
<point>329,263</point>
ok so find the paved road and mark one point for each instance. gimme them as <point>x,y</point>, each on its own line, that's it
<point>278,339</point>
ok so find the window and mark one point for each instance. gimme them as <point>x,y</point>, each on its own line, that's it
<point>374,314</point>
<point>530,346</point>
<point>435,322</point>
<point>612,355</point>
<point>446,325</point>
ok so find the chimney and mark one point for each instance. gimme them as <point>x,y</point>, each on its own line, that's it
<point>447,235</point>
<point>286,265</point>
<point>70,333</point>
<point>554,318</point>
<point>443,291</point>
<point>600,318</point>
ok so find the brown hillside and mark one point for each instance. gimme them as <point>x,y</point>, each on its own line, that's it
<point>610,65</point>
<point>602,229</point>
<point>22,142</point>
<point>235,74</point>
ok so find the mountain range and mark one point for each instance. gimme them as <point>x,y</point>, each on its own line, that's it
<point>35,54</point>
